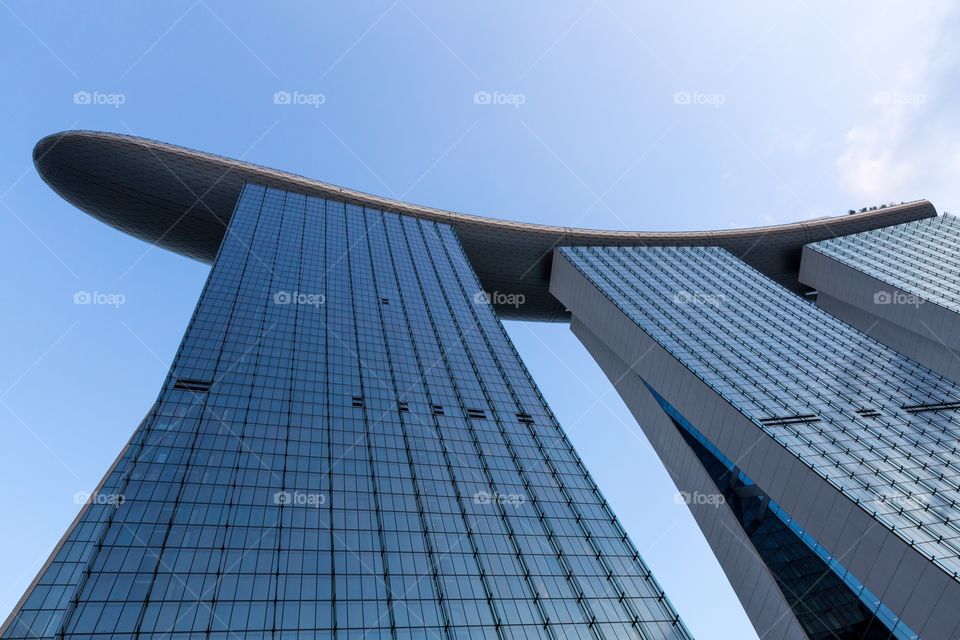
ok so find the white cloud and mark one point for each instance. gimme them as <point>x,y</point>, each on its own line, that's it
<point>903,146</point>
<point>875,164</point>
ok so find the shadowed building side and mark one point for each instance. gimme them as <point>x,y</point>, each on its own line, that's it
<point>182,200</point>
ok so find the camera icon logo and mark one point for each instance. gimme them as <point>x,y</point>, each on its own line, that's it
<point>82,297</point>
<point>882,297</point>
<point>282,297</point>
<point>682,97</point>
<point>82,97</point>
<point>482,97</point>
<point>282,97</point>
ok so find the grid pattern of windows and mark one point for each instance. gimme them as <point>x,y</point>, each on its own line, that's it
<point>880,428</point>
<point>829,602</point>
<point>921,257</point>
<point>347,446</point>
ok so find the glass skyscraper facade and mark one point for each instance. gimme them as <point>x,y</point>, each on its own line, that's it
<point>875,426</point>
<point>827,600</point>
<point>347,446</point>
<point>900,285</point>
<point>921,258</point>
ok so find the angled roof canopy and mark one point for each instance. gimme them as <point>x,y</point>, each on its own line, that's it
<point>182,200</point>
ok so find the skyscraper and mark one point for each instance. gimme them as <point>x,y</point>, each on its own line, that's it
<point>836,455</point>
<point>900,285</point>
<point>347,445</point>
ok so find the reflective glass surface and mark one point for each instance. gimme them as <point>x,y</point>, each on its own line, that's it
<point>880,428</point>
<point>922,257</point>
<point>829,602</point>
<point>347,446</point>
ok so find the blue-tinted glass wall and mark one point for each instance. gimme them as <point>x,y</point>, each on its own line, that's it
<point>920,257</point>
<point>347,446</point>
<point>872,425</point>
<point>770,354</point>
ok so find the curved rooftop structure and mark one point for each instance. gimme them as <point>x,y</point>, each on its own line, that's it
<point>182,200</point>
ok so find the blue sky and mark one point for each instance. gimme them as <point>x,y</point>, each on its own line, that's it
<point>605,114</point>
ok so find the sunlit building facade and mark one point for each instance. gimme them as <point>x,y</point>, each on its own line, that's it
<point>347,444</point>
